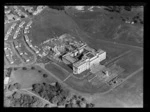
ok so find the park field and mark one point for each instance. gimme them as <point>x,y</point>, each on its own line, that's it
<point>131,63</point>
<point>58,72</point>
<point>30,76</point>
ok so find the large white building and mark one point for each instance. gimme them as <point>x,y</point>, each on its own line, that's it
<point>88,61</point>
<point>90,58</point>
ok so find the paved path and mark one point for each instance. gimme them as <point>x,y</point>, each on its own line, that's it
<point>67,77</point>
<point>125,45</point>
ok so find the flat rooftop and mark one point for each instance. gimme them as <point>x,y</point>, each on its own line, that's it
<point>69,58</point>
<point>100,51</point>
<point>80,62</point>
<point>85,51</point>
<point>90,55</point>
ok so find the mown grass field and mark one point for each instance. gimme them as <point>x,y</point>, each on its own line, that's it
<point>130,93</point>
<point>28,77</point>
<point>56,71</point>
<point>131,63</point>
<point>83,86</point>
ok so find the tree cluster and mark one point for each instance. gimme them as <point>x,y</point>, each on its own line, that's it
<point>57,7</point>
<point>55,94</point>
<point>120,9</point>
<point>138,18</point>
<point>132,15</point>
<point>77,101</point>
<point>23,100</point>
<point>8,71</point>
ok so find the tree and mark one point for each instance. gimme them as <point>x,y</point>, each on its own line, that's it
<point>55,99</point>
<point>57,7</point>
<point>68,105</point>
<point>8,71</point>
<point>37,87</point>
<point>89,105</point>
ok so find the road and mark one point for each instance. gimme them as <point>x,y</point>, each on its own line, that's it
<point>121,44</point>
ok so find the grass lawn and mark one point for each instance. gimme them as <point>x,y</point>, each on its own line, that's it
<point>112,50</point>
<point>79,85</point>
<point>131,63</point>
<point>64,66</point>
<point>84,86</point>
<point>56,71</point>
<point>131,92</point>
<point>83,74</point>
<point>28,77</point>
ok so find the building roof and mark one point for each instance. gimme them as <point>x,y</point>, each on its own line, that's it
<point>85,51</point>
<point>77,64</point>
<point>87,55</point>
<point>80,62</point>
<point>100,51</point>
<point>69,58</point>
<point>90,55</point>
